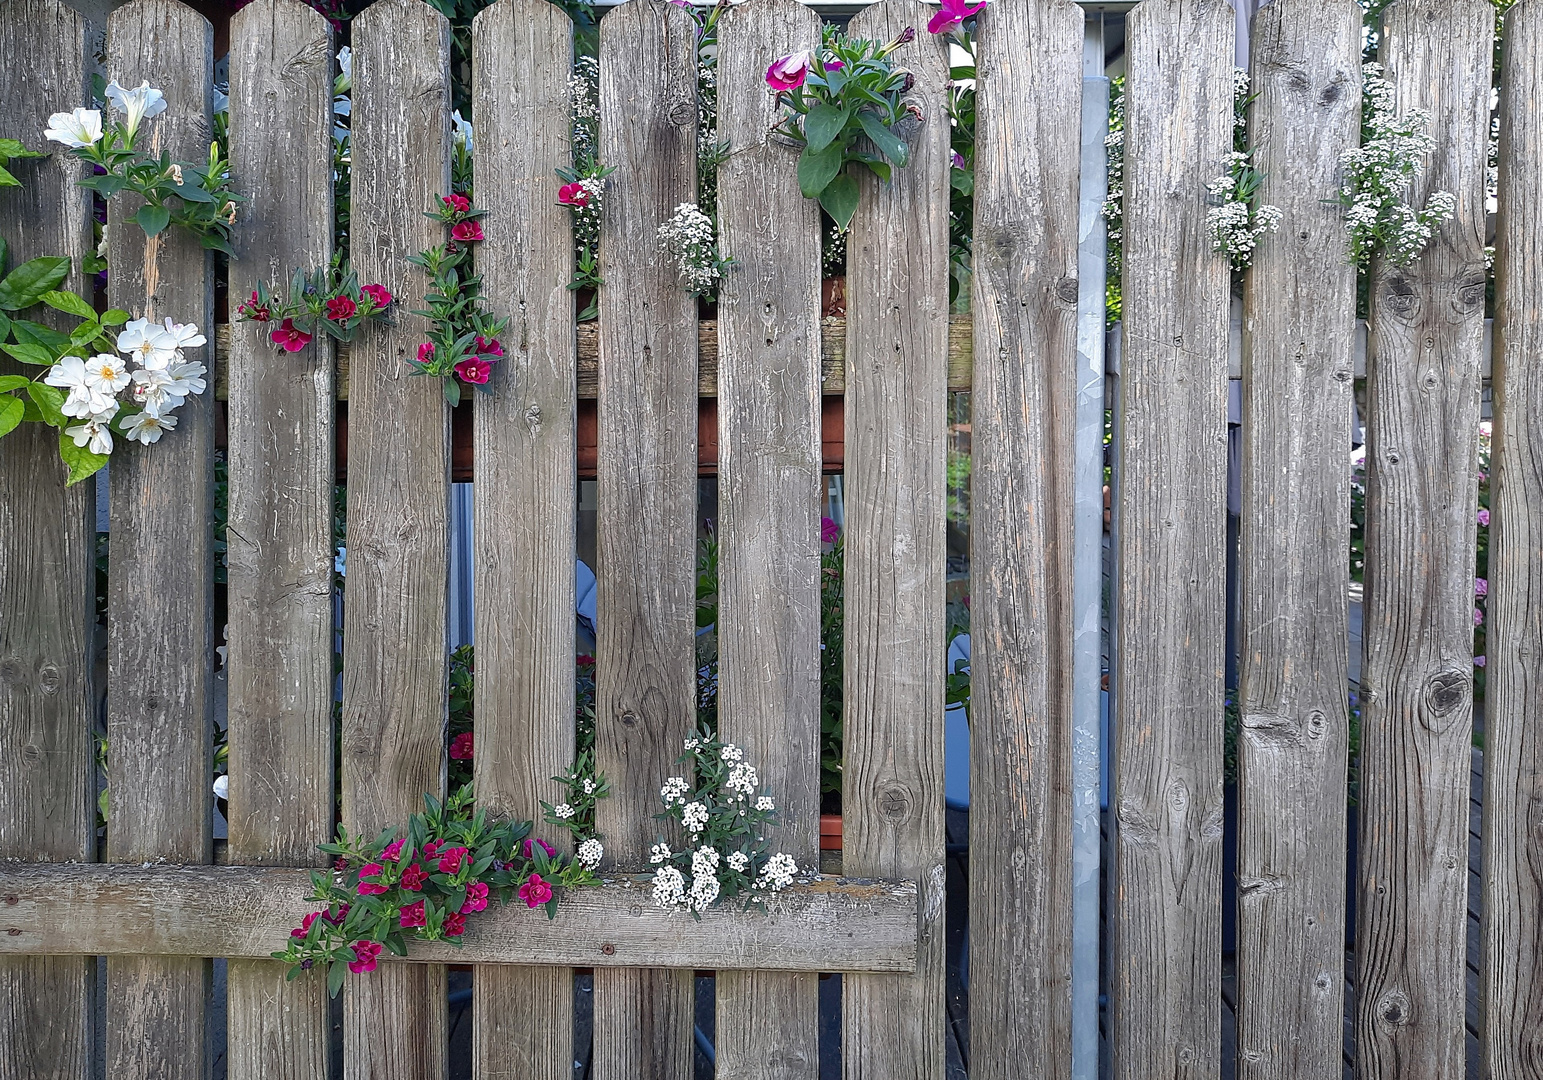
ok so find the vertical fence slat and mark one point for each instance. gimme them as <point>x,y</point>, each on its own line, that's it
<point>47,572</point>
<point>645,664</point>
<point>279,548</point>
<point>1423,380</point>
<point>160,654</point>
<point>525,504</point>
<point>1027,162</point>
<point>896,415</point>
<point>1512,969</point>
<point>1171,567</point>
<point>769,497</point>
<point>1299,345</point>
<point>395,607</point>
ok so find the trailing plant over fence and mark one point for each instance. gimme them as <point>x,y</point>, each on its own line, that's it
<point>327,300</point>
<point>1236,223</point>
<point>463,344</point>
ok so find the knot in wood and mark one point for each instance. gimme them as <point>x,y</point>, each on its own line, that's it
<point>31,753</point>
<point>1393,1009</point>
<point>1444,695</point>
<point>12,900</point>
<point>1066,290</point>
<point>683,113</point>
<point>1400,296</point>
<point>629,718</point>
<point>894,803</point>
<point>49,679</point>
<point>1178,797</point>
<point>14,931</point>
<point>608,949</point>
<point>1317,724</point>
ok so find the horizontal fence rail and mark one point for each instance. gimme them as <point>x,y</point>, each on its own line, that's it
<point>338,696</point>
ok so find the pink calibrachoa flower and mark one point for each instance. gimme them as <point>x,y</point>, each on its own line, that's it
<point>828,531</point>
<point>1478,616</point>
<point>459,203</point>
<point>1480,586</point>
<point>370,888</point>
<point>426,353</point>
<point>366,951</point>
<point>574,194</point>
<point>486,347</point>
<point>584,660</point>
<point>467,231</point>
<point>950,15</point>
<point>1483,517</point>
<point>337,920</point>
<point>455,924</point>
<point>379,294</point>
<point>474,370</point>
<point>305,924</point>
<point>288,338</point>
<point>450,860</point>
<point>476,898</point>
<point>461,746</point>
<point>412,915</point>
<point>255,310</point>
<point>535,892</point>
<point>789,72</point>
<point>546,847</point>
<point>393,850</point>
<point>340,308</point>
<point>432,849</point>
<point>414,877</point>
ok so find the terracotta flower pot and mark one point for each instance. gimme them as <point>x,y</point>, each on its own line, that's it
<point>830,832</point>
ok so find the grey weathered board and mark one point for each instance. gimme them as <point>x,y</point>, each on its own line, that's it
<point>523,511</point>
<point>1298,349</point>
<point>769,461</point>
<point>160,701</point>
<point>1023,410</point>
<point>645,667</point>
<point>896,416</point>
<point>1424,352</point>
<point>395,608</point>
<point>279,534</point>
<point>1171,567</point>
<point>47,554</point>
<point>1512,966</point>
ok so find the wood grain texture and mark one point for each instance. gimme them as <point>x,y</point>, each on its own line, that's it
<point>645,668</point>
<point>1511,972</point>
<point>1424,352</point>
<point>817,924</point>
<point>1171,573</point>
<point>524,505</point>
<point>279,536</point>
<point>395,608</point>
<point>896,416</point>
<point>47,574</point>
<point>769,484</point>
<point>1298,353</point>
<point>1027,163</point>
<point>160,705</point>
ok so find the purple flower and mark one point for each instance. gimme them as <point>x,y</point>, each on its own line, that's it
<point>1483,517</point>
<point>828,531</point>
<point>950,15</point>
<point>1478,616</point>
<point>1478,661</point>
<point>1480,586</point>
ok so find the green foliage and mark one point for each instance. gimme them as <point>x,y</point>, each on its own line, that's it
<point>193,197</point>
<point>463,337</point>
<point>11,149</point>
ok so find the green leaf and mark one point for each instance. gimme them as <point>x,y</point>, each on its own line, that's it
<point>27,332</point>
<point>5,326</point>
<point>31,354</point>
<point>452,391</point>
<point>82,462</point>
<point>26,285</point>
<point>11,410</point>
<point>840,200</point>
<point>114,317</point>
<point>49,400</point>
<point>216,242</point>
<point>886,140</point>
<point>152,218</point>
<point>6,179</point>
<point>69,303</point>
<point>823,124</point>
<point>335,975</point>
<point>193,193</point>
<point>815,170</point>
<point>12,382</point>
<point>85,334</point>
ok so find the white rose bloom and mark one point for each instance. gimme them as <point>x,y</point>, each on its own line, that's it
<point>156,390</point>
<point>187,378</point>
<point>183,336</point>
<point>107,372</point>
<point>94,434</point>
<point>137,104</point>
<point>83,400</point>
<point>146,427</point>
<point>149,345</point>
<point>83,127</point>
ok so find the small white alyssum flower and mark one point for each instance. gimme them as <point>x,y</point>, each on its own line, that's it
<point>732,753</point>
<point>669,887</point>
<point>704,861</point>
<point>659,853</point>
<point>589,786</point>
<point>690,237</point>
<point>765,803</point>
<point>704,891</point>
<point>743,779</point>
<point>778,872</point>
<point>590,853</point>
<point>738,860</point>
<point>674,791</point>
<point>695,817</point>
<point>563,810</point>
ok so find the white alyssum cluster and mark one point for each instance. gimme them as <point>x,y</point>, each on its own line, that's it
<point>695,817</point>
<point>163,380</point>
<point>590,853</point>
<point>669,887</point>
<point>675,791</point>
<point>743,780</point>
<point>1379,174</point>
<point>1234,223</point>
<point>584,95</point>
<point>778,873</point>
<point>690,238</point>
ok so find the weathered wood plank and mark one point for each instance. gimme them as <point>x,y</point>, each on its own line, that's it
<point>524,506</point>
<point>896,419</point>
<point>645,669</point>
<point>395,609</point>
<point>823,924</point>
<point>47,576</point>
<point>1511,972</point>
<point>1423,380</point>
<point>1170,580</point>
<point>769,505</point>
<point>1298,345</point>
<point>159,705</point>
<point>279,548</point>
<point>1027,163</point>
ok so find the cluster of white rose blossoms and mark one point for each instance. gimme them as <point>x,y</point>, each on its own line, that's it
<point>162,380</point>
<point>691,240</point>
<point>726,855</point>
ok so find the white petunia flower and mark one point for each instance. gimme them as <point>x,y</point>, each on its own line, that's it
<point>590,853</point>
<point>138,104</point>
<point>107,372</point>
<point>146,427</point>
<point>94,434</point>
<point>222,785</point>
<point>83,127</point>
<point>461,131</point>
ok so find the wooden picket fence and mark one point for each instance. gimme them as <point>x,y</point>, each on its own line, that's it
<point>157,909</point>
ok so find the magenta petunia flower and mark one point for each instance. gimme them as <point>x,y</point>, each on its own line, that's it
<point>535,892</point>
<point>486,348</point>
<point>340,308</point>
<point>951,14</point>
<point>476,898</point>
<point>474,370</point>
<point>1480,586</point>
<point>789,72</point>
<point>379,294</point>
<point>288,338</point>
<point>467,231</point>
<point>574,194</point>
<point>366,953</point>
<point>1483,517</point>
<point>254,310</point>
